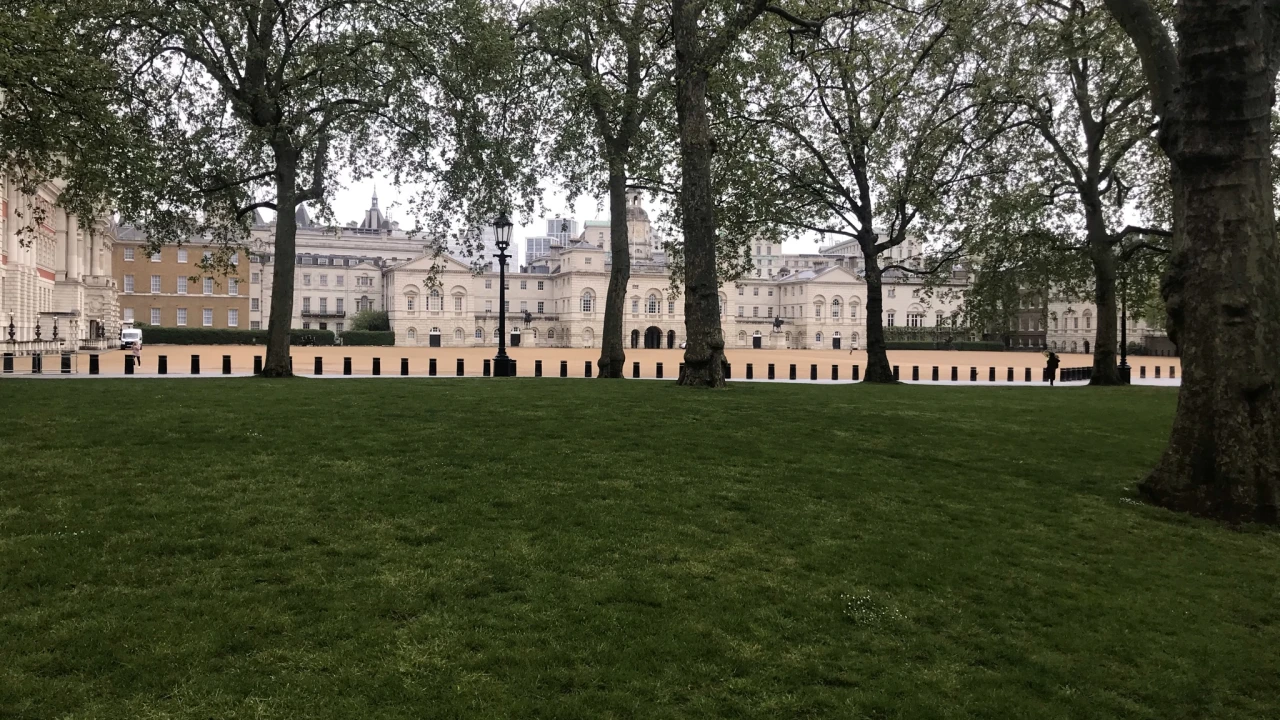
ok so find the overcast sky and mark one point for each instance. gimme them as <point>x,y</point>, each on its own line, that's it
<point>351,201</point>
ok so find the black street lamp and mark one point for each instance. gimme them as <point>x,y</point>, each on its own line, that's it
<point>12,330</point>
<point>1124,327</point>
<point>502,239</point>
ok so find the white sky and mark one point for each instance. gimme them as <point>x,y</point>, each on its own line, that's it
<point>351,201</point>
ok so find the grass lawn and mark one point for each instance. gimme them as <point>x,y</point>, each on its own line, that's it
<point>587,549</point>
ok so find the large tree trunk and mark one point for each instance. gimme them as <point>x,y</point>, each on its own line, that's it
<point>612,355</point>
<point>278,324</point>
<point>1105,340</point>
<point>878,368</point>
<point>704,351</point>
<point>1223,287</point>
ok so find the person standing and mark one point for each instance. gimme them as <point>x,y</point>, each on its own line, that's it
<point>137,353</point>
<point>1051,367</point>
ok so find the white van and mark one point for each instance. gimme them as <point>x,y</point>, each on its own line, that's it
<point>129,336</point>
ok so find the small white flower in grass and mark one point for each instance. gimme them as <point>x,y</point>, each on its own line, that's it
<point>865,610</point>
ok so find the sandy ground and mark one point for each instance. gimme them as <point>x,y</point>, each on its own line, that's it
<point>179,361</point>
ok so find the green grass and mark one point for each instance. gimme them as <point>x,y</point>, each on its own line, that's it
<point>583,549</point>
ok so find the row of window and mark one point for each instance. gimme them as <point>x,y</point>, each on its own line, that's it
<point>524,284</point>
<point>324,305</point>
<point>180,317</point>
<point>182,256</point>
<point>180,285</point>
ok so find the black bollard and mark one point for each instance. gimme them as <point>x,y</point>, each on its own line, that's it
<point>991,376</point>
<point>835,372</point>
<point>431,367</point>
<point>813,372</point>
<point>537,368</point>
<point>195,364</point>
<point>1172,374</point>
<point>93,365</point>
<point>1027,377</point>
<point>635,370</point>
<point>955,374</point>
<point>770,371</point>
<point>895,374</point>
<point>257,364</point>
<point>935,373</point>
<point>728,372</point>
<point>657,371</point>
<point>915,373</point>
<point>162,364</point>
<point>8,363</point>
<point>750,371</point>
<point>377,366</point>
<point>404,367</point>
<point>793,371</point>
<point>973,374</point>
<point>1157,372</point>
<point>66,363</point>
<point>511,368</point>
<point>586,369</point>
<point>854,376</point>
<point>1010,375</point>
<point>487,365</point>
<point>1142,371</point>
<point>564,368</point>
<point>319,366</point>
<point>226,365</point>
<point>128,364</point>
<point>346,366</point>
<point>461,367</point>
<point>37,365</point>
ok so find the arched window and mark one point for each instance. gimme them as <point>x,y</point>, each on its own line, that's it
<point>853,312</point>
<point>588,302</point>
<point>435,300</point>
<point>479,334</point>
<point>551,333</point>
<point>1074,347</point>
<point>835,308</point>
<point>817,312</point>
<point>413,335</point>
<point>1088,320</point>
<point>496,334</point>
<point>408,302</point>
<point>742,337</point>
<point>457,335</point>
<point>435,331</point>
<point>651,306</point>
<point>788,337</point>
<point>818,338</point>
<point>588,337</point>
<point>635,305</point>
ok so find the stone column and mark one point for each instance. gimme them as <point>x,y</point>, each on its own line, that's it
<point>75,244</point>
<point>91,242</point>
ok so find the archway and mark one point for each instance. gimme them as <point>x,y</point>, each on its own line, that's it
<point>653,338</point>
<point>835,339</point>
<point>757,341</point>
<point>1086,347</point>
<point>515,337</point>
<point>635,339</point>
<point>433,337</point>
<point>671,339</point>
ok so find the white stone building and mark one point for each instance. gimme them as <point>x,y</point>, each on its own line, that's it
<point>54,273</point>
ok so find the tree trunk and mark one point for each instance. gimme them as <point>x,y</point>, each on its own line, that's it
<point>1223,287</point>
<point>612,355</point>
<point>278,324</point>
<point>1105,340</point>
<point>704,351</point>
<point>878,368</point>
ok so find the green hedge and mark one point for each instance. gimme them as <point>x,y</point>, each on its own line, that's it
<point>369,337</point>
<point>217,336</point>
<point>984,346</point>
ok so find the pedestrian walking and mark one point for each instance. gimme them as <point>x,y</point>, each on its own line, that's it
<point>137,353</point>
<point>1051,367</point>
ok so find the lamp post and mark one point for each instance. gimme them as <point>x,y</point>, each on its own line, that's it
<point>502,239</point>
<point>1124,327</point>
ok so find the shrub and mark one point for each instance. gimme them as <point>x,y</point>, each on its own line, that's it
<point>371,320</point>
<point>979,345</point>
<point>368,337</point>
<point>227,336</point>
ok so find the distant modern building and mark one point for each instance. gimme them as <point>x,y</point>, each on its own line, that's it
<point>562,230</point>
<point>536,246</point>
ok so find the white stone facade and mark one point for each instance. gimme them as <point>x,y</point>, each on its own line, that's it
<point>53,273</point>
